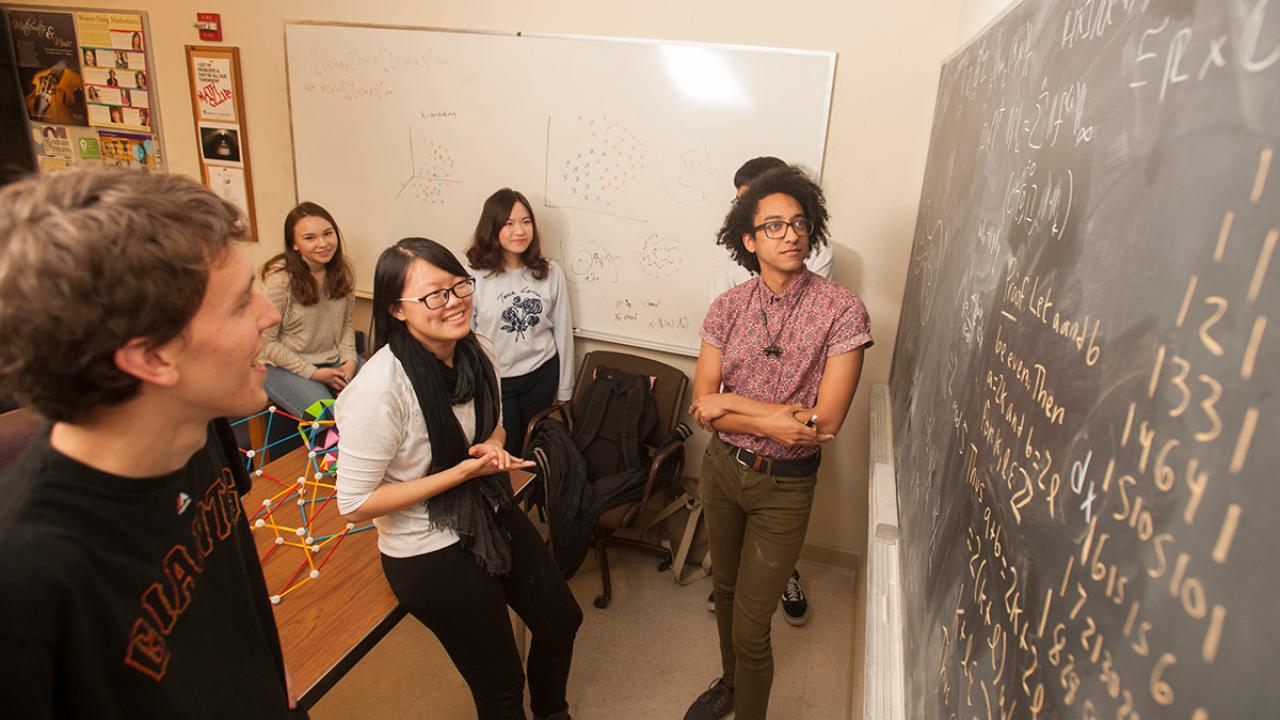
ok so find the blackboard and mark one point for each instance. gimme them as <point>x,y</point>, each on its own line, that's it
<point>1084,382</point>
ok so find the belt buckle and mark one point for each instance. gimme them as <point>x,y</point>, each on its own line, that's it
<point>757,461</point>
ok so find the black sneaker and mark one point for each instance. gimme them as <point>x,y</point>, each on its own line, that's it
<point>711,601</point>
<point>794,607</point>
<point>713,704</point>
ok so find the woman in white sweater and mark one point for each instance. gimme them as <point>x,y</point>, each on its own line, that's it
<point>421,454</point>
<point>522,304</point>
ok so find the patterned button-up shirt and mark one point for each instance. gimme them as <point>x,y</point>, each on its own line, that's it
<point>810,321</point>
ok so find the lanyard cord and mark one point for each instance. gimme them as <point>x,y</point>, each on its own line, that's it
<point>772,348</point>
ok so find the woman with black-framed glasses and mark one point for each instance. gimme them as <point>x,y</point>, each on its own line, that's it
<point>422,455</point>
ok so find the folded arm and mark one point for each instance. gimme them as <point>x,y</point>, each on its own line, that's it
<point>786,423</point>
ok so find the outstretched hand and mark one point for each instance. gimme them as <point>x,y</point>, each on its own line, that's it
<point>497,457</point>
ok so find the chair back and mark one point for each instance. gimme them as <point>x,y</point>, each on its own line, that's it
<point>669,385</point>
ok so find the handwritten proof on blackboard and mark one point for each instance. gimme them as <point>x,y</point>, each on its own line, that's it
<point>1085,377</point>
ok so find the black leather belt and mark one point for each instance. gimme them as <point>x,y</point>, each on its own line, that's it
<point>803,467</point>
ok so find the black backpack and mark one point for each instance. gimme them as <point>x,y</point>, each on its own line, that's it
<point>613,417</point>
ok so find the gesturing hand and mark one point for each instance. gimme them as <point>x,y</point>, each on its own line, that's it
<point>498,456</point>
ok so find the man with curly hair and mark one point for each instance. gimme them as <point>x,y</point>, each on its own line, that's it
<point>728,273</point>
<point>780,361</point>
<point>131,585</point>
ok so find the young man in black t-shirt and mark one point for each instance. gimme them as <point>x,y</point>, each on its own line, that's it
<point>131,585</point>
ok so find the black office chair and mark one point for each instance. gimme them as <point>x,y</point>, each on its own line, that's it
<point>668,388</point>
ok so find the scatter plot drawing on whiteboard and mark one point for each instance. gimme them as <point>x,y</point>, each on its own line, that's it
<point>660,256</point>
<point>592,162</point>
<point>432,171</point>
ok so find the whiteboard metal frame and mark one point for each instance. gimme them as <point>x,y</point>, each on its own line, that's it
<point>671,348</point>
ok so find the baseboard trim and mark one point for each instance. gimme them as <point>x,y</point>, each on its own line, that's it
<point>832,557</point>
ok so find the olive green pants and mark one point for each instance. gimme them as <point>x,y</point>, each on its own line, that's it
<point>756,525</point>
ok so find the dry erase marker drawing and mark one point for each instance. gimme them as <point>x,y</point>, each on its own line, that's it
<point>432,168</point>
<point>294,514</point>
<point>594,264</point>
<point>660,257</point>
<point>591,162</point>
<point>364,74</point>
<point>696,184</point>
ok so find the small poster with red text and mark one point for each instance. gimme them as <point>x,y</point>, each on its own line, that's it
<point>215,89</point>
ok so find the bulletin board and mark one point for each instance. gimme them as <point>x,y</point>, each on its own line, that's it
<point>88,86</point>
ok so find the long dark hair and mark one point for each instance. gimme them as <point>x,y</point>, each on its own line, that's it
<point>790,180</point>
<point>338,277</point>
<point>467,509</point>
<point>485,252</point>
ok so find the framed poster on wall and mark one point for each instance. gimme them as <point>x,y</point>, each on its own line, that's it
<point>85,81</point>
<point>217,103</point>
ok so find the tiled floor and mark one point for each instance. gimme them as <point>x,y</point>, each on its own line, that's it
<point>646,657</point>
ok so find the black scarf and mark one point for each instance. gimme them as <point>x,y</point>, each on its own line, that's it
<point>469,508</point>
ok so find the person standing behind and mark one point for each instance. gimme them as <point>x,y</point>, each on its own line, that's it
<point>311,355</point>
<point>522,305</point>
<point>787,350</point>
<point>728,273</point>
<point>131,585</point>
<point>422,455</point>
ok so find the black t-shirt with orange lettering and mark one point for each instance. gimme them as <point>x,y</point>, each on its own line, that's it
<point>133,598</point>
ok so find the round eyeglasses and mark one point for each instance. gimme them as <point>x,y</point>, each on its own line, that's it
<point>439,298</point>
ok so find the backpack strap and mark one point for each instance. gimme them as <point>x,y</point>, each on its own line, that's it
<point>587,426</point>
<point>633,408</point>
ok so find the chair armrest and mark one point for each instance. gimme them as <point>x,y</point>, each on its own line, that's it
<point>673,450</point>
<point>528,429</point>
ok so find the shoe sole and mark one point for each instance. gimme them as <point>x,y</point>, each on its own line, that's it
<point>796,621</point>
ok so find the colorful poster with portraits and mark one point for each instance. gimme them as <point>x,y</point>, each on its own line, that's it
<point>113,54</point>
<point>48,62</point>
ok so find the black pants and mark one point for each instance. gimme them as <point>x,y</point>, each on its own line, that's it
<point>526,395</point>
<point>466,608</point>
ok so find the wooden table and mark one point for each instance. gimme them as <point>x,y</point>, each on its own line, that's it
<point>329,623</point>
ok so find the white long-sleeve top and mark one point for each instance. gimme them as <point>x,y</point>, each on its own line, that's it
<point>382,437</point>
<point>528,320</point>
<point>729,273</point>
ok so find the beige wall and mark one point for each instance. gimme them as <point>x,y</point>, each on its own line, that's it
<point>975,15</point>
<point>889,55</point>
<point>889,58</point>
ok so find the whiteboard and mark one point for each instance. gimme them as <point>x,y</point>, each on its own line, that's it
<point>625,148</point>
